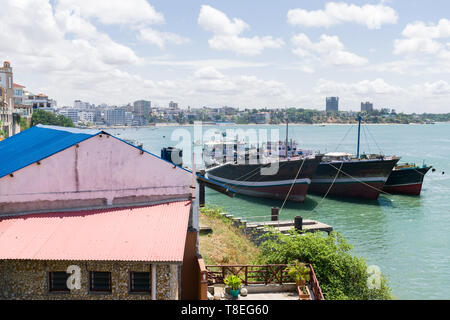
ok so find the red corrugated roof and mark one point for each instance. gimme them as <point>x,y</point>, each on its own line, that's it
<point>152,233</point>
<point>18,85</point>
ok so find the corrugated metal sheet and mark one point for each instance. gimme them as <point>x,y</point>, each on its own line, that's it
<point>37,143</point>
<point>152,233</point>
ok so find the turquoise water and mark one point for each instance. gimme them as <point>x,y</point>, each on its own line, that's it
<point>407,237</point>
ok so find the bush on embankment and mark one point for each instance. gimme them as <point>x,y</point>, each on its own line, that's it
<point>340,274</point>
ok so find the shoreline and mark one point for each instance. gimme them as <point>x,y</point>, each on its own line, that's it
<point>158,125</point>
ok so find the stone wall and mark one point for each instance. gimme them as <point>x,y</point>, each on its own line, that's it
<point>28,279</point>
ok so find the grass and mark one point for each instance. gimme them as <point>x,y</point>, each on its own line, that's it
<point>226,244</point>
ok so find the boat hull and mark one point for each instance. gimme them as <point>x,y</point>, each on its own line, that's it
<point>247,179</point>
<point>406,181</point>
<point>363,179</point>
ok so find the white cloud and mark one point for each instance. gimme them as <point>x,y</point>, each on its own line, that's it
<point>208,73</point>
<point>114,11</point>
<point>438,88</point>
<point>416,45</point>
<point>226,33</point>
<point>359,89</point>
<point>159,38</point>
<point>423,38</point>
<point>217,63</point>
<point>329,50</point>
<point>372,16</point>
<point>420,29</point>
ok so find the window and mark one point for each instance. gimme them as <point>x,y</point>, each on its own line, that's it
<point>57,281</point>
<point>100,281</point>
<point>139,281</point>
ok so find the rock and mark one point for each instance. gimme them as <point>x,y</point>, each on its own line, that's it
<point>244,292</point>
<point>217,296</point>
<point>210,296</point>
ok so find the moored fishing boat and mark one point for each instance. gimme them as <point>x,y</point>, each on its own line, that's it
<point>274,170</point>
<point>406,179</point>
<point>348,176</point>
<point>342,175</point>
<point>291,180</point>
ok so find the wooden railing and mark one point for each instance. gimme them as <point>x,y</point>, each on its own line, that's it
<point>259,274</point>
<point>317,291</point>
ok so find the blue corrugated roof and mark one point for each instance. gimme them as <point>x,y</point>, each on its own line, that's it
<point>37,143</point>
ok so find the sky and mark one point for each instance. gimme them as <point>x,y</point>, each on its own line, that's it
<point>246,54</point>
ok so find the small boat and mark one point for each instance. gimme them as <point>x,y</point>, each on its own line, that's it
<point>406,179</point>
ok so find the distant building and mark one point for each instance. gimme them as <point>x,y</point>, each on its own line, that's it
<point>129,118</point>
<point>115,117</point>
<point>98,116</point>
<point>70,113</point>
<point>366,106</point>
<point>332,104</point>
<point>142,107</point>
<point>173,105</point>
<point>86,116</point>
<point>260,117</point>
<point>80,105</point>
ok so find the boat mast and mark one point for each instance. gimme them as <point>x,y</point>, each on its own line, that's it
<point>287,136</point>
<point>359,136</point>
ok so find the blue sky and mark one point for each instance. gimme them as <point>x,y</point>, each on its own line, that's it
<point>236,53</point>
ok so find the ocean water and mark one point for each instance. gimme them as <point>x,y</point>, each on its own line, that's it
<point>407,237</point>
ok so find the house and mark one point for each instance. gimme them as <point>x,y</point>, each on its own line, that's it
<point>122,220</point>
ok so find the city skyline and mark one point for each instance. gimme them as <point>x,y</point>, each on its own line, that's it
<point>230,53</point>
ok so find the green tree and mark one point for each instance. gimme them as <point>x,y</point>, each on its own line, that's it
<point>341,275</point>
<point>49,118</point>
<point>2,133</point>
<point>23,124</point>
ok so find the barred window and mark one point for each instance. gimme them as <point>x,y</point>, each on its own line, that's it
<point>100,281</point>
<point>140,281</point>
<point>57,281</point>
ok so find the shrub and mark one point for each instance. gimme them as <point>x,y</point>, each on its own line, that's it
<point>340,274</point>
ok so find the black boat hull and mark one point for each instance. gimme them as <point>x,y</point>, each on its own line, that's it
<point>406,181</point>
<point>247,179</point>
<point>358,178</point>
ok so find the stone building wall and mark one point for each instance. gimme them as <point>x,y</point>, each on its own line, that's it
<point>28,279</point>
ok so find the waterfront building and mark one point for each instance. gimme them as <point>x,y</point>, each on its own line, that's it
<point>142,107</point>
<point>86,117</point>
<point>366,106</point>
<point>127,218</point>
<point>260,117</point>
<point>115,117</point>
<point>332,104</point>
<point>70,113</point>
<point>173,105</point>
<point>128,119</point>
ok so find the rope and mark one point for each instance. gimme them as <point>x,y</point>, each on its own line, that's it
<point>348,131</point>
<point>292,185</point>
<point>367,140</point>
<point>370,133</point>
<point>329,189</point>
